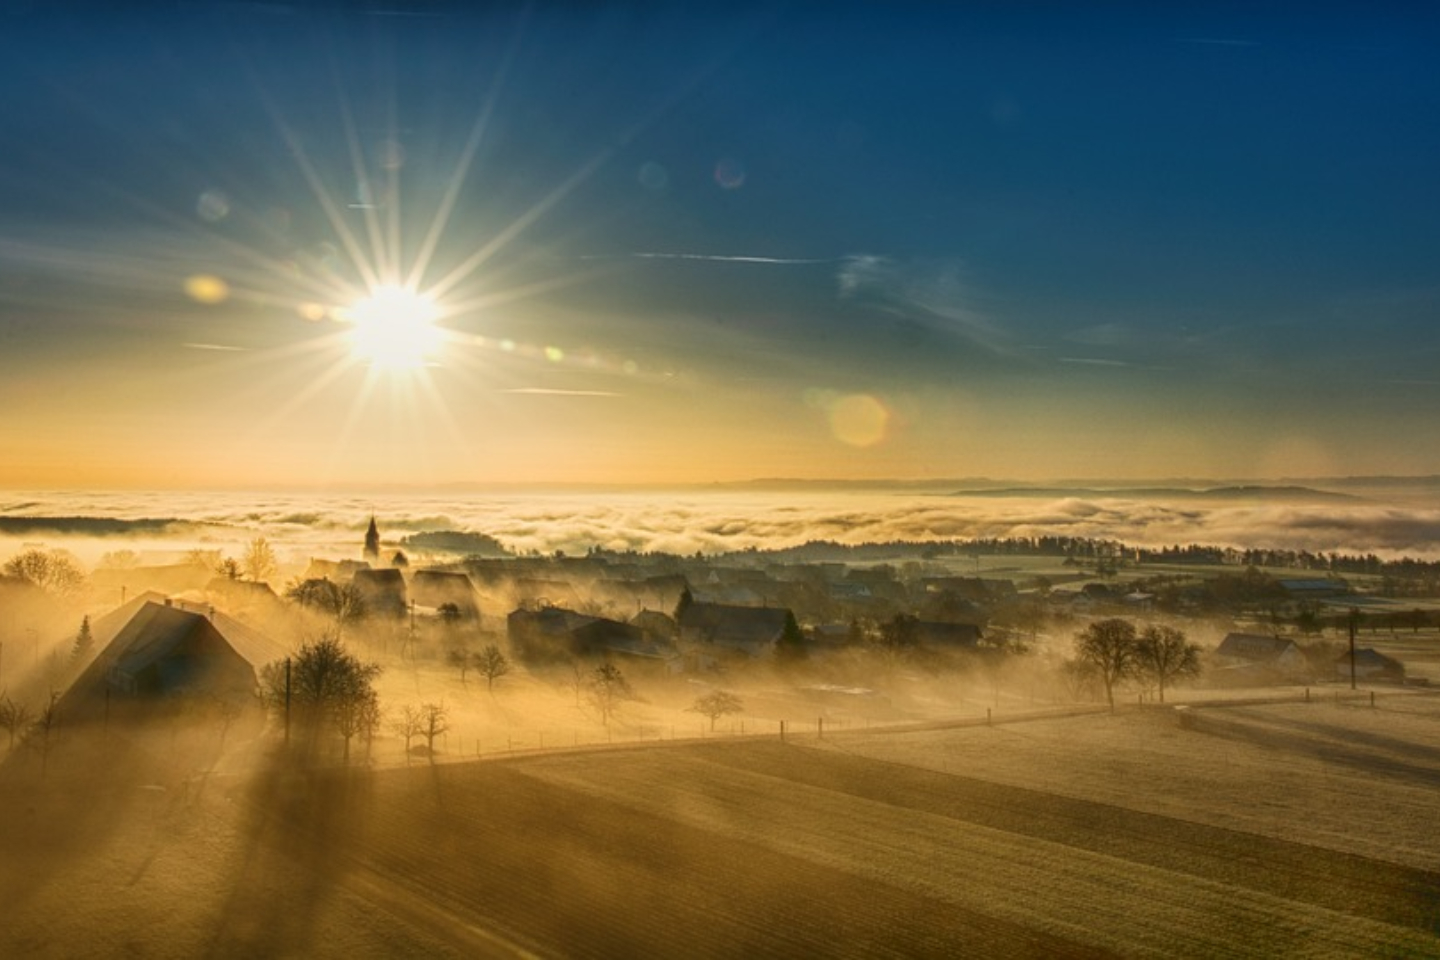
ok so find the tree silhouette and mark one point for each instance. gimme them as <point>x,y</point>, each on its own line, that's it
<point>1164,655</point>
<point>717,704</point>
<point>608,689</point>
<point>14,717</point>
<point>259,560</point>
<point>325,681</point>
<point>1108,646</point>
<point>83,641</point>
<point>492,665</point>
<point>434,721</point>
<point>53,571</point>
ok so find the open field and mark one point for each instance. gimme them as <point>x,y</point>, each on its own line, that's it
<point>1277,830</point>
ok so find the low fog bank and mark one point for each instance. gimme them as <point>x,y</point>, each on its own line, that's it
<point>299,526</point>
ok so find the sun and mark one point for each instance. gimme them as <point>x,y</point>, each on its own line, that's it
<point>393,328</point>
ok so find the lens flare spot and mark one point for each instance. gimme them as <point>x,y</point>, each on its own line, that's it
<point>653,176</point>
<point>213,206</point>
<point>314,312</point>
<point>394,328</point>
<point>730,173</point>
<point>207,288</point>
<point>554,354</point>
<point>859,420</point>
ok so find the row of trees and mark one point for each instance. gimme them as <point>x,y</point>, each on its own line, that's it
<point>1114,651</point>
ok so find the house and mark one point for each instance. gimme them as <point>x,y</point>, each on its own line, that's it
<point>656,625</point>
<point>1261,655</point>
<point>435,588</point>
<point>383,591</point>
<point>165,650</point>
<point>1314,589</point>
<point>337,571</point>
<point>947,636</point>
<point>752,631</point>
<point>557,633</point>
<point>1370,664</point>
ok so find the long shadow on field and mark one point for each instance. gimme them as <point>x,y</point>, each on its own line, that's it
<point>1307,741</point>
<point>576,875</point>
<point>100,806</point>
<point>1338,881</point>
<point>1348,735</point>
<point>296,822</point>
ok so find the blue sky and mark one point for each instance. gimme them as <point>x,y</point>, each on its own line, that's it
<point>908,240</point>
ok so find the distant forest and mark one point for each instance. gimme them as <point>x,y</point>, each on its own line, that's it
<point>1111,553</point>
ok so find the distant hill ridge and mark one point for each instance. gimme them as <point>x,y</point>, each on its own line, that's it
<point>1257,492</point>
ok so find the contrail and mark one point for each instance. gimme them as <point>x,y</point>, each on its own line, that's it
<point>716,258</point>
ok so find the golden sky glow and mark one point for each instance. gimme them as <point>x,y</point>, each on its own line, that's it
<point>467,249</point>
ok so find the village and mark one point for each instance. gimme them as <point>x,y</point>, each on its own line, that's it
<point>912,637</point>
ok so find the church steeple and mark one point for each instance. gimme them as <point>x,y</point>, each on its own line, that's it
<point>372,542</point>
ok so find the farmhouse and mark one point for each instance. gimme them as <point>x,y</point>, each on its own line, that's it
<point>1370,664</point>
<point>752,631</point>
<point>947,636</point>
<point>1261,656</point>
<point>435,588</point>
<point>164,651</point>
<point>554,632</point>
<point>383,591</point>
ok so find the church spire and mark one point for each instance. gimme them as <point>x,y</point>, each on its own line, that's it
<point>372,541</point>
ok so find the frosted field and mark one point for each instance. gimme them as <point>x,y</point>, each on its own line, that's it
<point>1290,829</point>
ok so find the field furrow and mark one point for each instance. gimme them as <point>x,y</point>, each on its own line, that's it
<point>866,823</point>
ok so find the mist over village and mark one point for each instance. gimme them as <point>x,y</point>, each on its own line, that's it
<point>782,480</point>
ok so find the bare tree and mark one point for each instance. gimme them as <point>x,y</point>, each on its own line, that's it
<point>717,704</point>
<point>607,690</point>
<point>459,657</point>
<point>1164,655</point>
<point>120,560</point>
<point>345,603</point>
<point>434,721</point>
<point>42,732</point>
<point>1109,646</point>
<point>408,725</point>
<point>492,665</point>
<point>352,715</point>
<point>259,562</point>
<point>229,568</point>
<point>578,681</point>
<point>54,571</point>
<point>14,717</point>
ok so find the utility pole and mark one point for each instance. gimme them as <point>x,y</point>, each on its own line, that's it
<point>1354,621</point>
<point>287,701</point>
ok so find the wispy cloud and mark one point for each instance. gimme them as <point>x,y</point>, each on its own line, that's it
<point>558,392</point>
<point>1095,362</point>
<point>213,346</point>
<point>1220,41</point>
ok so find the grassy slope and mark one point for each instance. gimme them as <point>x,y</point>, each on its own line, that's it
<point>1086,836</point>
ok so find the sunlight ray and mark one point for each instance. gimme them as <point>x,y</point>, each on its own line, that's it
<point>317,188</point>
<point>364,197</point>
<point>500,297</point>
<point>441,220</point>
<point>521,224</point>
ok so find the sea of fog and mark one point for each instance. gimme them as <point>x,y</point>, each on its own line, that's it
<point>162,525</point>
